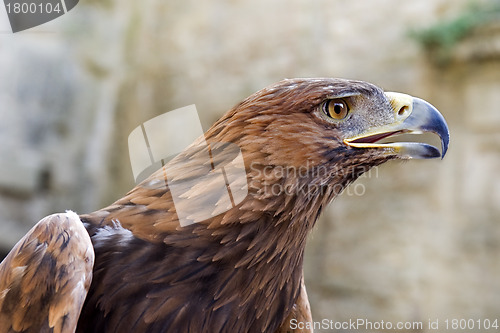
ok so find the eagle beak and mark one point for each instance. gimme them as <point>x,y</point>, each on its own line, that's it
<point>412,116</point>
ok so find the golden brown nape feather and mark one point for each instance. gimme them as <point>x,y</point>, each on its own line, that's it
<point>175,255</point>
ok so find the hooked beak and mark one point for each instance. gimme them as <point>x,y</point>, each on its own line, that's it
<point>414,116</point>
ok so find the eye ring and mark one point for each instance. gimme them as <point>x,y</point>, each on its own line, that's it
<point>336,109</point>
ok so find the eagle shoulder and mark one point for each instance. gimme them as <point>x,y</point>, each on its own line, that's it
<point>45,278</point>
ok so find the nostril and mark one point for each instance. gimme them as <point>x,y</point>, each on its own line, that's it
<point>403,110</point>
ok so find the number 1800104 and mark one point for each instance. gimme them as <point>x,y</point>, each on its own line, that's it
<point>33,8</point>
<point>469,324</point>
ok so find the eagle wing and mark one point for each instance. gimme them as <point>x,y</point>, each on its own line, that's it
<point>45,278</point>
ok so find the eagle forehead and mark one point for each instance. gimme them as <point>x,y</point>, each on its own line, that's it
<point>327,87</point>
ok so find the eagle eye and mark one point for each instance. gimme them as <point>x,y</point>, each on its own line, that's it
<point>335,108</point>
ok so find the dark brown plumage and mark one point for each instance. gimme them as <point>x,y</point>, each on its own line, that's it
<point>302,141</point>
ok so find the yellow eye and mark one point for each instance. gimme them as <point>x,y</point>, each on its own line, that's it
<point>336,108</point>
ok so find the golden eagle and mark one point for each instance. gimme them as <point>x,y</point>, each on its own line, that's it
<point>132,267</point>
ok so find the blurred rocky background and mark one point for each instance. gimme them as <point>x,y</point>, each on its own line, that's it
<point>408,242</point>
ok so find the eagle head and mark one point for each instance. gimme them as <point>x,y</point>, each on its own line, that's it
<point>315,136</point>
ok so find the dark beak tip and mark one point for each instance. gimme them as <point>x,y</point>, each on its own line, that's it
<point>444,148</point>
<point>434,122</point>
<point>445,138</point>
<point>444,135</point>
